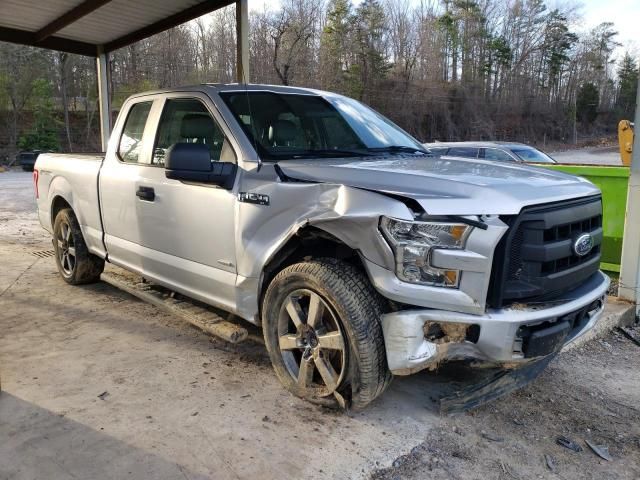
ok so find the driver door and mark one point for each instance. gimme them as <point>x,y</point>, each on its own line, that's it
<point>189,227</point>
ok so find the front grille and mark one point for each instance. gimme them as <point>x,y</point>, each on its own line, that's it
<point>535,260</point>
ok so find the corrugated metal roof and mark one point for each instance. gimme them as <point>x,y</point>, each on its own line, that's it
<point>120,17</point>
<point>32,16</point>
<point>80,26</point>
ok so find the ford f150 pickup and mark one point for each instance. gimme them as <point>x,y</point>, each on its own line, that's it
<point>360,255</point>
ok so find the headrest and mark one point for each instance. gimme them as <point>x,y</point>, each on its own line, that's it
<point>195,125</point>
<point>282,131</point>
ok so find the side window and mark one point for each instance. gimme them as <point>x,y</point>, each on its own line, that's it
<point>466,152</point>
<point>495,154</point>
<point>131,140</point>
<point>438,150</point>
<point>188,121</point>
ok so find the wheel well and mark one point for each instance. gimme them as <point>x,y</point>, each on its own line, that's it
<point>58,204</point>
<point>307,243</point>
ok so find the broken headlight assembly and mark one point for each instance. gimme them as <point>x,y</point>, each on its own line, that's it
<point>412,244</point>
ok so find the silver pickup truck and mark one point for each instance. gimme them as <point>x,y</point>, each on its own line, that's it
<point>360,255</point>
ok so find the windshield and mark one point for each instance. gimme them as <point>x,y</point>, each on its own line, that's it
<point>288,126</point>
<point>532,155</point>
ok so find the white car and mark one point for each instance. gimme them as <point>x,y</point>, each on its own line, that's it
<point>499,151</point>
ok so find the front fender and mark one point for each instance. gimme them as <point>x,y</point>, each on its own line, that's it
<point>350,214</point>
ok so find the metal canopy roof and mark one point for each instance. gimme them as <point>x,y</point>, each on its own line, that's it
<point>85,27</point>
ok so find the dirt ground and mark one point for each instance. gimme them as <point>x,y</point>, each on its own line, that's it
<point>96,384</point>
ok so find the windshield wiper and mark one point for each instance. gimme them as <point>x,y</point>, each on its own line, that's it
<point>400,149</point>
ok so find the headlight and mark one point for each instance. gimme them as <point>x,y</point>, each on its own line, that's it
<point>412,243</point>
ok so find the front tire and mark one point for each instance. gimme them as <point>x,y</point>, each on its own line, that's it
<point>75,264</point>
<point>321,324</point>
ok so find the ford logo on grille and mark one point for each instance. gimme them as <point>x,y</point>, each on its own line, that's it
<point>583,244</point>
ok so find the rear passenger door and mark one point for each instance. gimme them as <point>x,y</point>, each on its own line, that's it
<point>124,167</point>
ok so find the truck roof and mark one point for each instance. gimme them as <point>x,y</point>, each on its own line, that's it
<point>475,144</point>
<point>234,87</point>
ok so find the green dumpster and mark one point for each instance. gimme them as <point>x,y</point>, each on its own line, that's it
<point>613,181</point>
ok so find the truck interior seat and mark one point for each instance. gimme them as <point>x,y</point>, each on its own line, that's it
<point>284,133</point>
<point>199,128</point>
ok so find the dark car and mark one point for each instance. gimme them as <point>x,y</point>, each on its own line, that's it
<point>499,151</point>
<point>27,159</point>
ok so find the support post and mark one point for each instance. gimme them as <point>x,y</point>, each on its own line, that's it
<point>242,41</point>
<point>104,101</point>
<point>630,269</point>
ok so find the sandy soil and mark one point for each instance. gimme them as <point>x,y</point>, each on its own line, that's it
<point>99,385</point>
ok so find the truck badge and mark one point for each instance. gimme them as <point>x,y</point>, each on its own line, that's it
<point>255,198</point>
<point>583,244</point>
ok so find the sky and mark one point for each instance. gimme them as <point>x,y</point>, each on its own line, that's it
<point>625,14</point>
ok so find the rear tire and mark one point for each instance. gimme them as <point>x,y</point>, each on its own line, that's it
<point>333,352</point>
<point>75,264</point>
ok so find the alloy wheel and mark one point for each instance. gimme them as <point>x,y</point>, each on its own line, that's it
<point>311,342</point>
<point>66,249</point>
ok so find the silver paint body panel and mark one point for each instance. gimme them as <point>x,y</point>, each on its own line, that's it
<point>201,241</point>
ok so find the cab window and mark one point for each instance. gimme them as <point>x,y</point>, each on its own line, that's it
<point>187,120</point>
<point>130,145</point>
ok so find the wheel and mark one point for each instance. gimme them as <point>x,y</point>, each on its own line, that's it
<point>27,168</point>
<point>321,324</point>
<point>75,264</point>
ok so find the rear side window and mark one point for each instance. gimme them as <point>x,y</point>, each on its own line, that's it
<point>495,154</point>
<point>463,152</point>
<point>438,150</point>
<point>130,145</point>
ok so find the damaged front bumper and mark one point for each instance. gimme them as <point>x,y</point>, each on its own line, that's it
<point>424,338</point>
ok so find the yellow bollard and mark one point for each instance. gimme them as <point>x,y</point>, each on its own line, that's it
<point>625,140</point>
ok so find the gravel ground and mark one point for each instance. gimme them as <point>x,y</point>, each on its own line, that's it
<point>99,385</point>
<point>589,156</point>
<point>589,394</point>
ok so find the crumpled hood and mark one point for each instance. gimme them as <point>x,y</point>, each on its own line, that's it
<point>447,185</point>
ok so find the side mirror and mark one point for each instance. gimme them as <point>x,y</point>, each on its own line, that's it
<point>192,162</point>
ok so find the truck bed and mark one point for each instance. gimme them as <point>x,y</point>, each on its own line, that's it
<point>74,178</point>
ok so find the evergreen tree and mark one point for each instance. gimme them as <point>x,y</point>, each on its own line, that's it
<point>43,134</point>
<point>627,87</point>
<point>557,45</point>
<point>334,46</point>
<point>371,64</point>
<point>587,103</point>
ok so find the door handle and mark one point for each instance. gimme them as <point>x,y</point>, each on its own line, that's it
<point>146,193</point>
